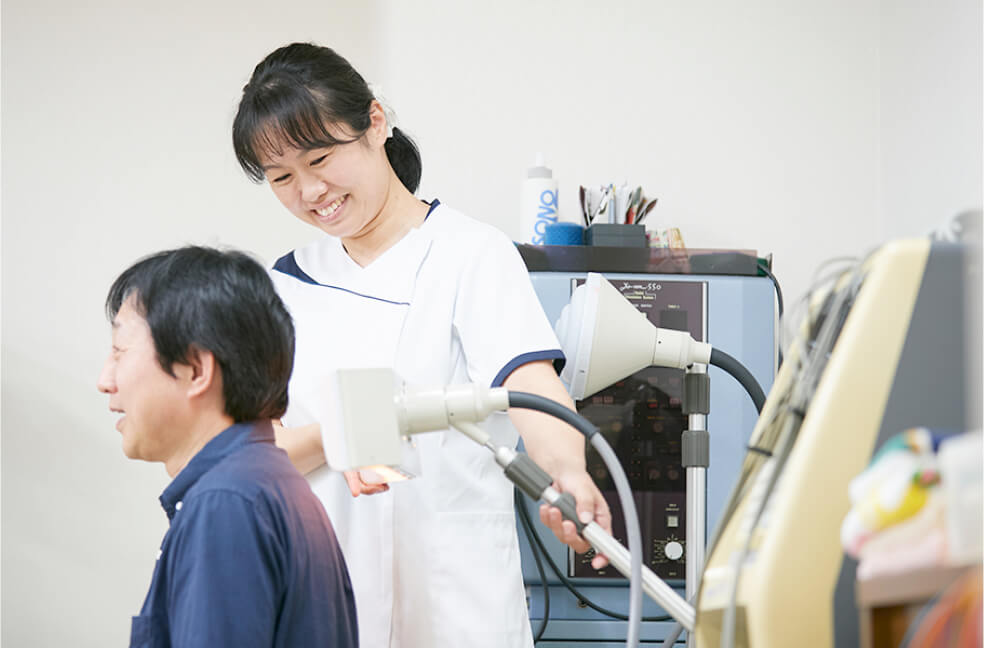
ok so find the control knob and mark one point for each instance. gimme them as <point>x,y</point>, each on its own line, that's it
<point>673,550</point>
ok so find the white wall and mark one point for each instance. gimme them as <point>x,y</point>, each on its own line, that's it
<point>931,108</point>
<point>116,124</point>
<point>759,125</point>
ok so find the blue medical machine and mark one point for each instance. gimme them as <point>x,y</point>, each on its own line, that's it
<point>720,298</point>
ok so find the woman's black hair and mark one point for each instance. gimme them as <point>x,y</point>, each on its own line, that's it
<point>297,91</point>
<point>222,302</point>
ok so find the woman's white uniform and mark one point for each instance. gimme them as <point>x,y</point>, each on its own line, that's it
<point>435,560</point>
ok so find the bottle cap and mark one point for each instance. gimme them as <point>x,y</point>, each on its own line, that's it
<point>539,170</point>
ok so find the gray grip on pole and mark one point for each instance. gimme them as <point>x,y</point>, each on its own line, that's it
<point>696,393</point>
<point>696,449</point>
<point>568,507</point>
<point>528,476</point>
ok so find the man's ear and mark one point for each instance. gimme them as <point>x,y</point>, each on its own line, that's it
<point>202,371</point>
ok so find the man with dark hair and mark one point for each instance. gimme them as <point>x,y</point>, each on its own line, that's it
<point>202,352</point>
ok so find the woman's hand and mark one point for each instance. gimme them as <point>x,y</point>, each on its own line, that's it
<point>591,506</point>
<point>559,450</point>
<point>360,484</point>
<point>303,446</point>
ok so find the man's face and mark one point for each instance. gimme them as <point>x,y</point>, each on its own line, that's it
<point>151,401</point>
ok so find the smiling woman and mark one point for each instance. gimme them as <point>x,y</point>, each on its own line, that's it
<point>310,126</point>
<point>398,282</point>
<point>335,189</point>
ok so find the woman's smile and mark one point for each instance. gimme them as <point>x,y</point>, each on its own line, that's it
<point>330,212</point>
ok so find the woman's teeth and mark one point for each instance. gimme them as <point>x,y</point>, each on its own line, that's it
<point>330,209</point>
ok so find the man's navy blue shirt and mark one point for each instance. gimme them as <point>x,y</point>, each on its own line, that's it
<point>250,558</point>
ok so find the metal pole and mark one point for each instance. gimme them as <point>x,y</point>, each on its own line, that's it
<point>696,531</point>
<point>696,458</point>
<point>654,586</point>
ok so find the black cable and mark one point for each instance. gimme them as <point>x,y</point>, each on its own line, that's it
<point>524,400</point>
<point>761,451</point>
<point>768,273</point>
<point>764,267</point>
<point>525,515</point>
<point>539,567</point>
<point>721,359</point>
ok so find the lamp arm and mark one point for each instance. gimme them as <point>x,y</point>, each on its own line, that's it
<point>425,410</point>
<point>672,348</point>
<point>461,406</point>
<point>678,349</point>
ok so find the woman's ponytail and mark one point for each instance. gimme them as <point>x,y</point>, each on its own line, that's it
<point>404,157</point>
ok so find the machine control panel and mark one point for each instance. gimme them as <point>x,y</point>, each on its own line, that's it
<point>642,419</point>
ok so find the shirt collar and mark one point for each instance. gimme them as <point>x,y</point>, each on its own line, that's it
<point>220,447</point>
<point>433,205</point>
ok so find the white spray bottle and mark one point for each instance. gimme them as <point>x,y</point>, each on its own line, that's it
<point>539,206</point>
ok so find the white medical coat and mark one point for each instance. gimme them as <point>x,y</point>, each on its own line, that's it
<point>434,561</point>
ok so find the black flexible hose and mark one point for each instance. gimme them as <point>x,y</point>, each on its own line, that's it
<point>765,269</point>
<point>524,514</point>
<point>525,400</point>
<point>526,522</point>
<point>741,374</point>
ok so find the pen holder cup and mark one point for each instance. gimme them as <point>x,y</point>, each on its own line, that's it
<point>614,235</point>
<point>563,234</point>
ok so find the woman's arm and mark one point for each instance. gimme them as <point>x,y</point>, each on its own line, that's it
<point>302,444</point>
<point>305,450</point>
<point>558,449</point>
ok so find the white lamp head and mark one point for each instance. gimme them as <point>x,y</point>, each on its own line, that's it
<point>365,430</point>
<point>606,339</point>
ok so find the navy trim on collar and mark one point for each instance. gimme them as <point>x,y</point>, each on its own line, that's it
<point>433,205</point>
<point>220,447</point>
<point>287,265</point>
<point>526,358</point>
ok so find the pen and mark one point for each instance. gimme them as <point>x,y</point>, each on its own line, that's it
<point>645,210</point>
<point>612,205</point>
<point>606,197</point>
<point>634,201</point>
<point>584,206</point>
